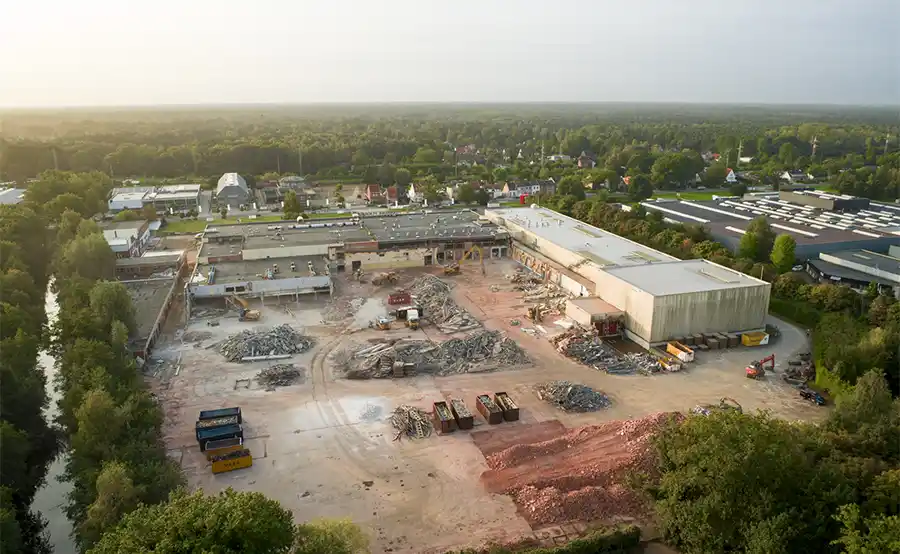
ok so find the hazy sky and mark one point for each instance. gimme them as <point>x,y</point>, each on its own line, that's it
<point>108,52</point>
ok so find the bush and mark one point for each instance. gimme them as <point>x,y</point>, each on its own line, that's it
<point>796,311</point>
<point>612,540</point>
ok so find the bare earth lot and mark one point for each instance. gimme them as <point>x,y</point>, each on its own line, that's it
<point>317,453</point>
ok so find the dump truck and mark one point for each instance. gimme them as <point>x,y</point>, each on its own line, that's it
<point>412,318</point>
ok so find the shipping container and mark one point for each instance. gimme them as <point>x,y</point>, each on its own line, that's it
<point>223,412</point>
<point>757,338</point>
<point>223,446</point>
<point>487,408</point>
<point>506,404</point>
<point>205,436</point>
<point>233,460</point>
<point>464,418</point>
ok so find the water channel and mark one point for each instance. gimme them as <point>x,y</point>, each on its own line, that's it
<point>51,498</point>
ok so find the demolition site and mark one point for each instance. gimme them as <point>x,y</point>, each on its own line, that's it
<point>447,379</point>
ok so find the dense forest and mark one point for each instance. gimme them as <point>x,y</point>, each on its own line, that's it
<point>724,483</point>
<point>371,143</point>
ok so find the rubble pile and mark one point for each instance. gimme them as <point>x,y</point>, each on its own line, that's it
<point>460,355</point>
<point>572,397</point>
<point>410,421</point>
<point>548,296</point>
<point>340,308</point>
<point>279,375</point>
<point>278,341</point>
<point>586,347</point>
<point>434,296</point>
<point>580,475</point>
<point>481,351</point>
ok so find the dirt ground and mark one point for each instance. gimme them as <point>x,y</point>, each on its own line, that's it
<point>317,453</point>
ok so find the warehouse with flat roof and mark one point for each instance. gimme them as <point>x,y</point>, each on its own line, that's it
<point>818,222</point>
<point>661,296</point>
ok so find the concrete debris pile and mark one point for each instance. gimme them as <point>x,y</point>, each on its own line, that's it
<point>481,351</point>
<point>580,475</point>
<point>250,346</point>
<point>340,308</point>
<point>548,295</point>
<point>583,345</point>
<point>410,421</point>
<point>462,355</point>
<point>434,296</point>
<point>522,277</point>
<point>572,397</point>
<point>279,375</point>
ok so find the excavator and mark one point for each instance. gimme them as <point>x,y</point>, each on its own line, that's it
<point>244,311</point>
<point>757,368</point>
<point>453,267</point>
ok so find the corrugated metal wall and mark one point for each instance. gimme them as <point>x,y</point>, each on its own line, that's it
<point>737,309</point>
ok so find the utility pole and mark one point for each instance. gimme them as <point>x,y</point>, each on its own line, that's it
<point>278,163</point>
<point>542,154</point>
<point>55,160</point>
<point>300,160</point>
<point>815,143</point>
<point>886,140</point>
<point>740,149</point>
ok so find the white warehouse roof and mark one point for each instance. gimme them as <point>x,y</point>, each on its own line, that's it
<point>684,276</point>
<point>231,180</point>
<point>601,247</point>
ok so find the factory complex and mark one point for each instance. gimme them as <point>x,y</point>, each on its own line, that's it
<point>660,296</point>
<point>819,222</point>
<point>655,296</point>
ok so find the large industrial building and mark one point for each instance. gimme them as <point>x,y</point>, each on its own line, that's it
<point>819,222</point>
<point>266,260</point>
<point>167,198</point>
<point>660,296</point>
<point>858,269</point>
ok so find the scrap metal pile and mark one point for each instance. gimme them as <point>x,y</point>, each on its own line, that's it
<point>279,375</point>
<point>410,421</point>
<point>434,296</point>
<point>572,397</point>
<point>586,347</point>
<point>248,346</point>
<point>480,351</point>
<point>549,297</point>
<point>580,475</point>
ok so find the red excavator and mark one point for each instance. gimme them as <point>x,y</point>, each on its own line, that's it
<point>757,369</point>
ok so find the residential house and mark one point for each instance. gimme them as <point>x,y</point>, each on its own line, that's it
<point>414,194</point>
<point>710,157</point>
<point>391,195</point>
<point>530,188</point>
<point>559,158</point>
<point>730,176</point>
<point>374,194</point>
<point>292,182</point>
<point>795,176</point>
<point>128,239</point>
<point>232,190</point>
<point>494,190</point>
<point>586,161</point>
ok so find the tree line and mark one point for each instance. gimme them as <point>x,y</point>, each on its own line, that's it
<point>387,147</point>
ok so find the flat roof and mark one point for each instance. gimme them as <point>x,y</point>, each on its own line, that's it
<point>868,258</point>
<point>683,276</point>
<point>11,195</point>
<point>594,305</point>
<point>805,224</point>
<point>829,268</point>
<point>148,260</point>
<point>130,195</point>
<point>253,270</point>
<point>600,247</point>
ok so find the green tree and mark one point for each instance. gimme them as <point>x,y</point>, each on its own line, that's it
<point>223,212</point>
<point>786,154</point>
<point>231,522</point>
<point>737,189</point>
<point>465,194</point>
<point>324,536</point>
<point>148,212</point>
<point>116,496</point>
<point>783,253</point>
<point>427,156</point>
<point>110,302</point>
<point>500,174</point>
<point>124,215</point>
<point>402,177</point>
<point>639,188</point>
<point>715,174</point>
<point>88,257</point>
<point>292,208</point>
<point>571,185</point>
<point>482,198</point>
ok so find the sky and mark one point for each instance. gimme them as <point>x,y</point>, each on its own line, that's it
<point>60,53</point>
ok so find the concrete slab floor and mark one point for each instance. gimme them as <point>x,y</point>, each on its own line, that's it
<point>318,454</point>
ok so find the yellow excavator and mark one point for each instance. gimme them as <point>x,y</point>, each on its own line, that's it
<point>453,267</point>
<point>244,311</point>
